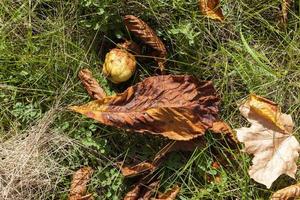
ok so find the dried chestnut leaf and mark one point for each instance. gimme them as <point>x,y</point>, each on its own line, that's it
<point>141,30</point>
<point>91,85</point>
<point>78,186</point>
<point>177,107</point>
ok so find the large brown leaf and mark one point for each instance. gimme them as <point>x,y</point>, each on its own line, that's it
<point>290,192</point>
<point>78,186</point>
<point>177,107</point>
<point>211,9</point>
<point>269,139</point>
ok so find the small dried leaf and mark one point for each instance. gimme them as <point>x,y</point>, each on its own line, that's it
<point>269,139</point>
<point>283,16</point>
<point>214,178</point>
<point>91,85</point>
<point>134,193</point>
<point>169,195</point>
<point>142,191</point>
<point>177,107</point>
<point>141,30</point>
<point>130,46</point>
<point>137,169</point>
<point>216,165</point>
<point>211,9</point>
<point>78,186</point>
<point>190,145</point>
<point>290,192</point>
<point>223,128</point>
<point>150,190</point>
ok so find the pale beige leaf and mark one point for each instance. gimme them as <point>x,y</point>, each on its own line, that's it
<point>269,139</point>
<point>290,192</point>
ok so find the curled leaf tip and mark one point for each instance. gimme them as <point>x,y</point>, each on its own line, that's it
<point>211,9</point>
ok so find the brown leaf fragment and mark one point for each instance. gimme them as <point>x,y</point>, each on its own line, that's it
<point>214,178</point>
<point>149,190</point>
<point>137,169</point>
<point>177,107</point>
<point>287,193</point>
<point>91,85</point>
<point>78,185</point>
<point>131,46</point>
<point>222,128</point>
<point>142,31</point>
<point>134,193</point>
<point>87,197</point>
<point>284,11</point>
<point>142,191</point>
<point>174,146</point>
<point>211,9</point>
<point>147,167</point>
<point>169,195</point>
<point>269,139</point>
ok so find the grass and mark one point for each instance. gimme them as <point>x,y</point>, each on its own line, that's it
<point>44,43</point>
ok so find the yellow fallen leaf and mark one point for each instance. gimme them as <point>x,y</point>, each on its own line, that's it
<point>269,139</point>
<point>211,9</point>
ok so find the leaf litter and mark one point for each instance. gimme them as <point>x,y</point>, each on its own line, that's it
<point>182,109</point>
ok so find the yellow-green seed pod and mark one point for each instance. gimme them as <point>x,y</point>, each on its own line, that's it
<point>119,65</point>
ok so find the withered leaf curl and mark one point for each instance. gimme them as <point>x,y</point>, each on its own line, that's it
<point>140,168</point>
<point>269,139</point>
<point>211,9</point>
<point>169,195</point>
<point>141,30</point>
<point>91,85</point>
<point>284,11</point>
<point>178,107</point>
<point>142,191</point>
